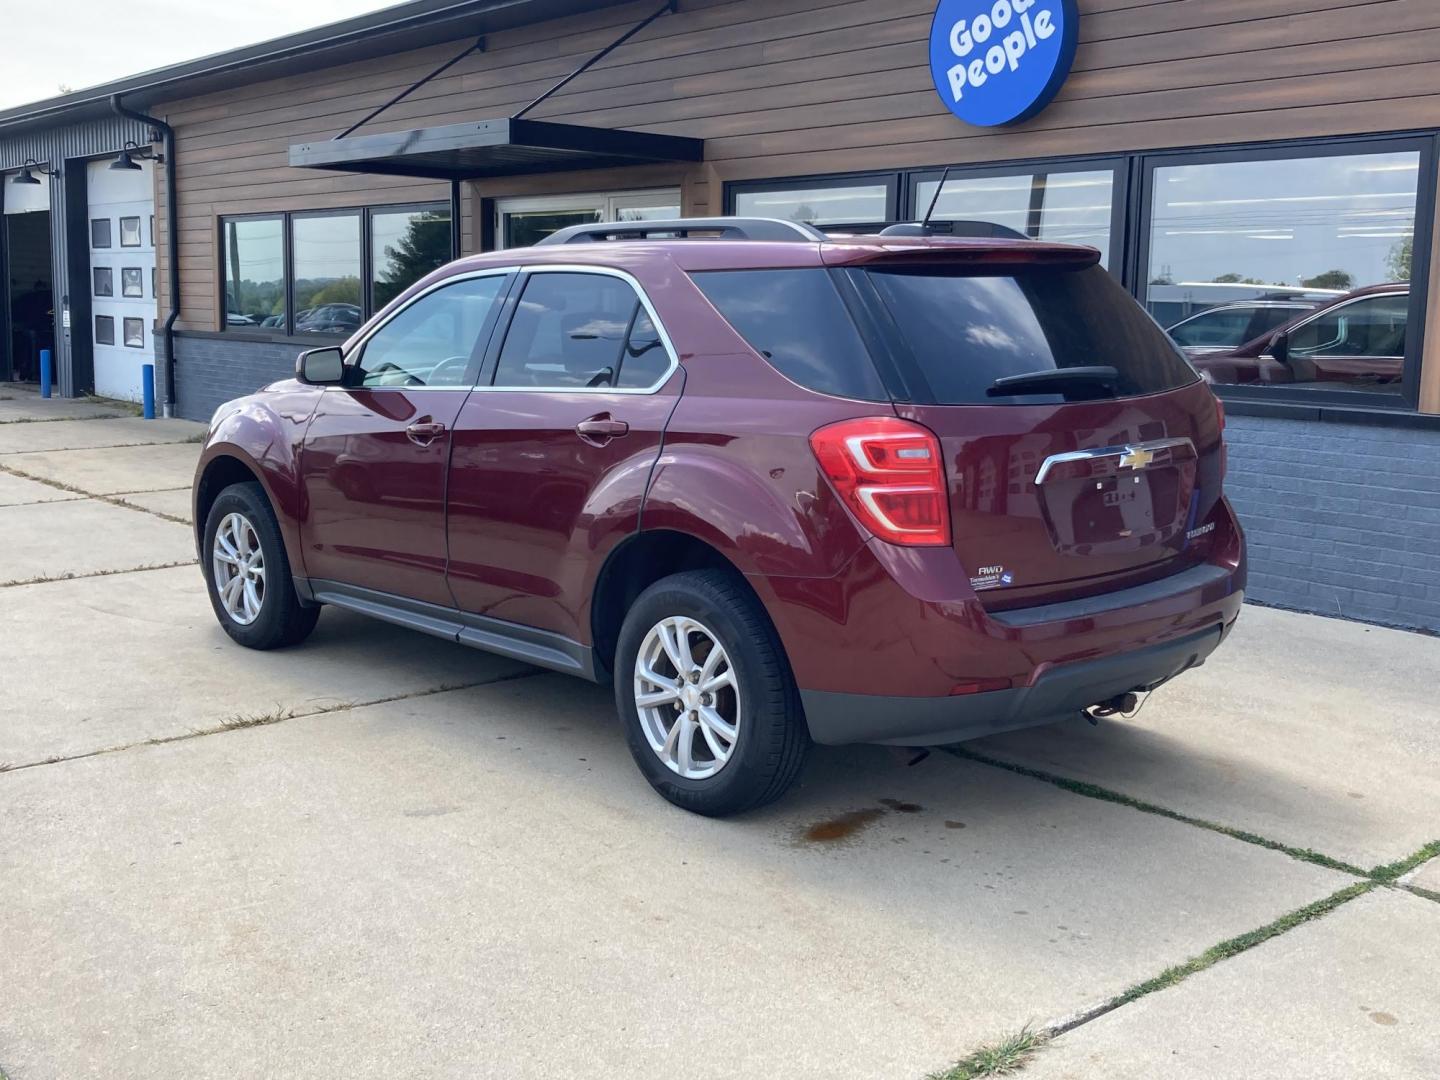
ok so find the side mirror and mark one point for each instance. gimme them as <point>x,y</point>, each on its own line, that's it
<point>1280,348</point>
<point>321,367</point>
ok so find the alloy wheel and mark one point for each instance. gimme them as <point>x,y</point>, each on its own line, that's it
<point>239,569</point>
<point>687,695</point>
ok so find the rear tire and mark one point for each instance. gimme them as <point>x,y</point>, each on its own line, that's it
<point>729,734</point>
<point>247,572</point>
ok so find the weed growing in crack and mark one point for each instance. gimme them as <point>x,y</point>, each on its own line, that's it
<point>1004,1058</point>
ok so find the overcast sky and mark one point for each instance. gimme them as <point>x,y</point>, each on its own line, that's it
<point>80,43</point>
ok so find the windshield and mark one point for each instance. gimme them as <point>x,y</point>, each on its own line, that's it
<point>965,331</point>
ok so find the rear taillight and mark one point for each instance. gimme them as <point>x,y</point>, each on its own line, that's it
<point>889,473</point>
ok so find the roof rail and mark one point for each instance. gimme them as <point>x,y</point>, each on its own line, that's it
<point>773,230</point>
<point>986,229</point>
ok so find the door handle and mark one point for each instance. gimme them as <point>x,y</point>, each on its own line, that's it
<point>424,434</point>
<point>601,429</point>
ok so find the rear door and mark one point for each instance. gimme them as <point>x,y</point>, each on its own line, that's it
<point>1067,492</point>
<point>553,450</point>
<point>1360,342</point>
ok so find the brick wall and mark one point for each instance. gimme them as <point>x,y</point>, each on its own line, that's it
<point>211,370</point>
<point>1341,520</point>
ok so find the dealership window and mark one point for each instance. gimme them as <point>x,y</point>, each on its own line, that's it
<point>406,245</point>
<point>1069,207</point>
<point>822,203</point>
<point>254,261</point>
<point>326,272</point>
<point>1303,229</point>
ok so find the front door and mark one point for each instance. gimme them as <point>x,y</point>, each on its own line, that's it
<point>375,454</point>
<point>523,222</point>
<point>553,451</point>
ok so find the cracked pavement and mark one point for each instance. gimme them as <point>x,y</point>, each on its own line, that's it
<point>383,854</point>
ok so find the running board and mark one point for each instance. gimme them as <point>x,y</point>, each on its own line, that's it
<point>539,647</point>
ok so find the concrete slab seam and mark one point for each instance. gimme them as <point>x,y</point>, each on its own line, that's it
<point>113,500</point>
<point>78,576</point>
<point>240,722</point>
<point>1094,791</point>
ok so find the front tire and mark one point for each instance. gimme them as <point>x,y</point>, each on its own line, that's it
<point>247,573</point>
<point>709,704</point>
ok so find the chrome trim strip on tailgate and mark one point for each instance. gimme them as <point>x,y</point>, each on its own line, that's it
<point>1197,577</point>
<point>1139,453</point>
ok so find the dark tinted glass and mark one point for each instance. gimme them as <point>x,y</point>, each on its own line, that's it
<point>645,359</point>
<point>568,331</point>
<point>967,331</point>
<point>104,330</point>
<point>796,320</point>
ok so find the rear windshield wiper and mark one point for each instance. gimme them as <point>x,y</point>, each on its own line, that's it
<point>1082,381</point>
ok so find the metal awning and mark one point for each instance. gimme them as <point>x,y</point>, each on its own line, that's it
<point>486,148</point>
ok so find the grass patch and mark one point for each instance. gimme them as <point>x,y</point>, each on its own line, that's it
<point>1237,945</point>
<point>1094,791</point>
<point>1004,1058</point>
<point>131,407</point>
<point>1398,869</point>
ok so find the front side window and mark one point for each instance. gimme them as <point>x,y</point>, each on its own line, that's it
<point>1230,231</point>
<point>254,267</point>
<point>1060,207</point>
<point>435,341</point>
<point>326,272</point>
<point>406,245</point>
<point>965,332</point>
<point>580,331</point>
<point>1354,346</point>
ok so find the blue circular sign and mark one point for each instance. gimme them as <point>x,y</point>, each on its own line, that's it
<point>1001,61</point>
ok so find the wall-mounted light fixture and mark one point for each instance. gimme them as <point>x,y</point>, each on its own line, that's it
<point>27,172</point>
<point>125,161</point>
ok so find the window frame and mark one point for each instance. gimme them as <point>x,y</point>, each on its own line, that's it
<point>1132,212</point>
<point>1117,166</point>
<point>485,383</point>
<point>287,232</point>
<point>1408,400</point>
<point>892,180</point>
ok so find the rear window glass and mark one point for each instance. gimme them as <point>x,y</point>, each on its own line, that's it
<point>967,331</point>
<point>797,321</point>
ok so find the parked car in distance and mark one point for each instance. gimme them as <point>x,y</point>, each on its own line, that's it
<point>1355,342</point>
<point>1228,326</point>
<point>774,487</point>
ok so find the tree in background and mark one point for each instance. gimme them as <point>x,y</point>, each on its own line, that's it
<point>1330,279</point>
<point>1401,260</point>
<point>424,247</point>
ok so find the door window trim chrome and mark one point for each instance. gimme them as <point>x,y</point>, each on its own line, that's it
<point>1103,452</point>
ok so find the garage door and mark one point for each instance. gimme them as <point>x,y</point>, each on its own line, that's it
<point>122,275</point>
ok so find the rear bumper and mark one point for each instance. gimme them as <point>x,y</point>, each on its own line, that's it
<point>1057,692</point>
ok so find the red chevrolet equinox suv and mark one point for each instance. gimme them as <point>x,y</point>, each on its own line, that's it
<point>776,487</point>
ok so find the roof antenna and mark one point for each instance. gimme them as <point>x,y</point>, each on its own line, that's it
<point>925,222</point>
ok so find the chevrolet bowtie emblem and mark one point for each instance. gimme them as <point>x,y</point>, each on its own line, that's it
<point>1136,457</point>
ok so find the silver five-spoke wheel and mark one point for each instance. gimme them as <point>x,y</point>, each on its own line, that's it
<point>239,567</point>
<point>688,698</point>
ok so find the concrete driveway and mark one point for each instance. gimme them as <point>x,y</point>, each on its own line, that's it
<point>380,855</point>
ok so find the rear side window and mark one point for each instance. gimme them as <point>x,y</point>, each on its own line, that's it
<point>797,321</point>
<point>578,330</point>
<point>966,331</point>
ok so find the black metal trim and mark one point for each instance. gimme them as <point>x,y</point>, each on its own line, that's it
<point>1313,412</point>
<point>669,8</point>
<point>478,46</point>
<point>539,647</point>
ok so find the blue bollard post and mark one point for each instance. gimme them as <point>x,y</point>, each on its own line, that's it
<point>44,372</point>
<point>147,389</point>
